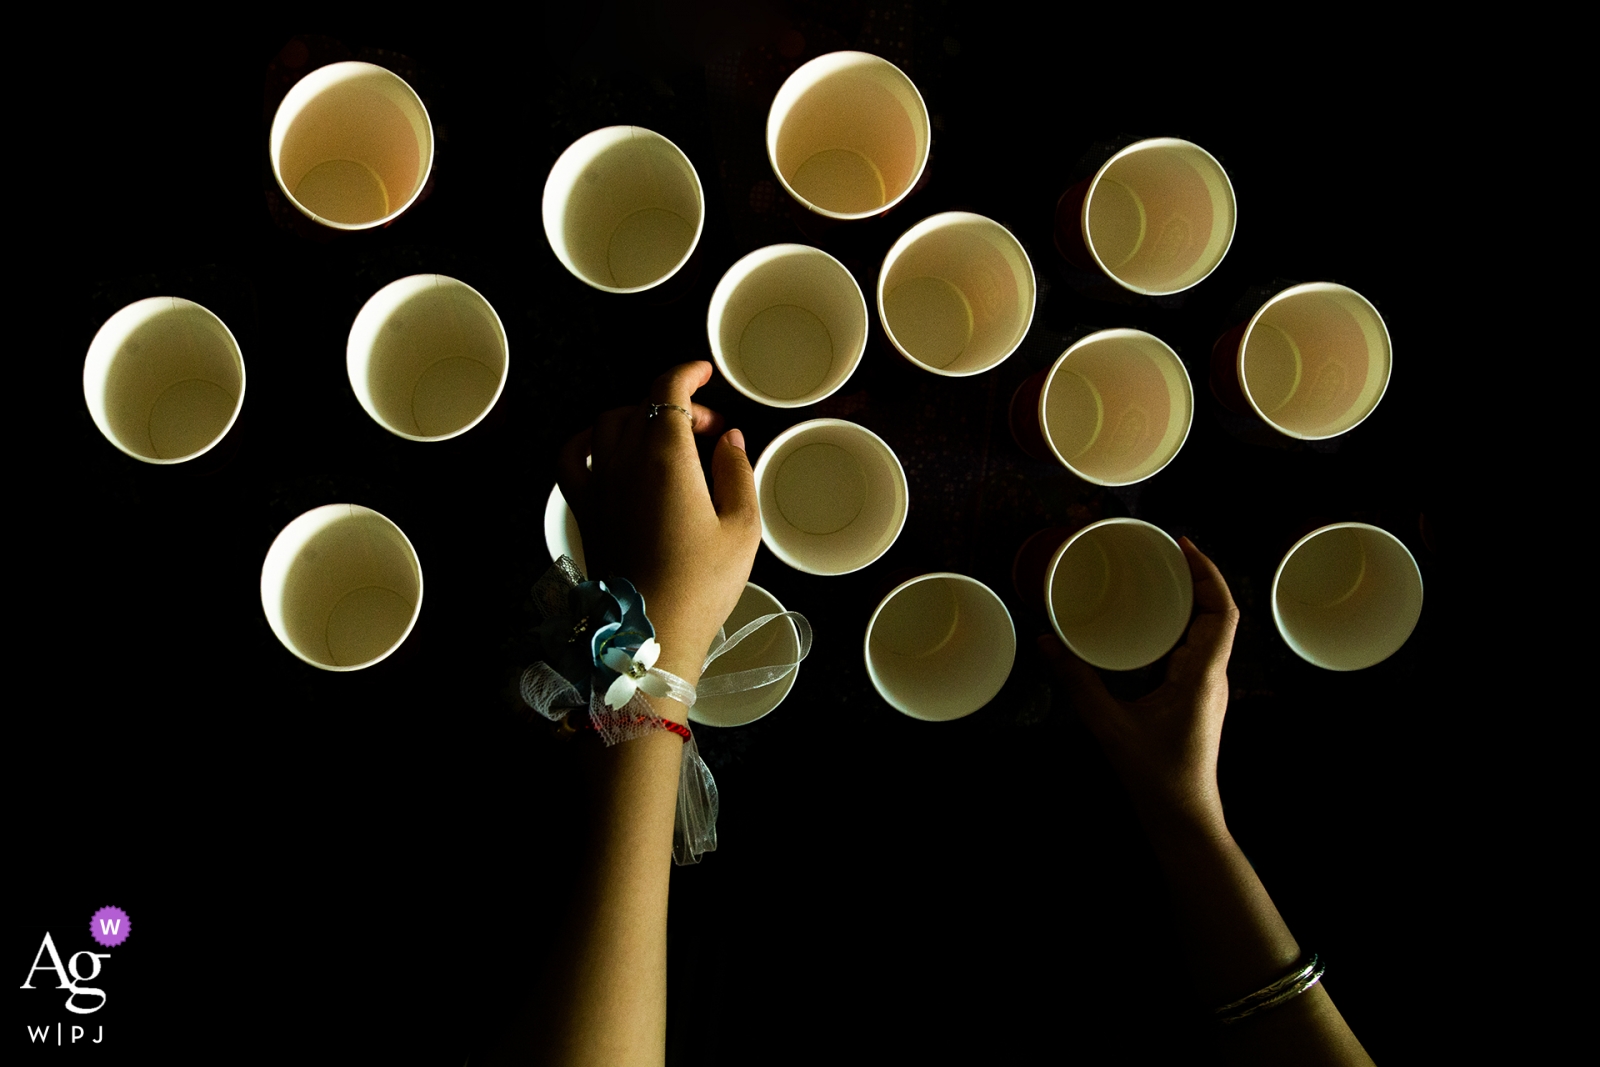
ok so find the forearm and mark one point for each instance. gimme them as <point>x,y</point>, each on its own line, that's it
<point>1237,943</point>
<point>603,998</point>
<point>1234,936</point>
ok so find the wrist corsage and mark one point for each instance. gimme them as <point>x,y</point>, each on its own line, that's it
<point>599,653</point>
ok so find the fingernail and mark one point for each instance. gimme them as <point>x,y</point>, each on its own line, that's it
<point>736,439</point>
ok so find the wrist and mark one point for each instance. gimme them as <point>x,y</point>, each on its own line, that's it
<point>1182,821</point>
<point>676,658</point>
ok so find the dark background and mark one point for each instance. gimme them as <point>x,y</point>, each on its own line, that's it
<point>352,863</point>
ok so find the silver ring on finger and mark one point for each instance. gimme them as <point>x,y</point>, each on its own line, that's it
<point>656,409</point>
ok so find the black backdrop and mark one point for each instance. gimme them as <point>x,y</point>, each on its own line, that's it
<point>335,863</point>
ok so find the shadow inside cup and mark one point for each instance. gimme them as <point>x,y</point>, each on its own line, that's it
<point>341,587</point>
<point>164,380</point>
<point>940,646</point>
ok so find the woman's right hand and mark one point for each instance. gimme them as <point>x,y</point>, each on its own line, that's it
<point>1165,744</point>
<point>647,514</point>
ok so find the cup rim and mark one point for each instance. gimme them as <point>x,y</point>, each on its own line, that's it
<point>840,58</point>
<point>97,353</point>
<point>364,315</point>
<point>1300,290</point>
<point>1106,335</point>
<point>787,682</point>
<point>872,621</point>
<point>1094,183</point>
<point>314,82</point>
<point>916,233</point>
<point>724,291</point>
<point>548,207</point>
<point>274,551</point>
<point>765,460</point>
<point>1277,575</point>
<point>1060,553</point>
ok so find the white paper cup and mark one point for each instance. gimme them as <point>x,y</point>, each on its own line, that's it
<point>623,209</point>
<point>940,646</point>
<point>561,534</point>
<point>775,643</point>
<point>164,379</point>
<point>1314,360</point>
<point>833,496</point>
<point>1159,216</point>
<point>1116,407</point>
<point>1119,593</point>
<point>341,587</point>
<point>351,145</point>
<point>427,357</point>
<point>956,294</point>
<point>848,135</point>
<point>787,325</point>
<point>1347,596</point>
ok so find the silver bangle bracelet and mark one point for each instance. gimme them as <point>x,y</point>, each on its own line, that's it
<point>1283,990</point>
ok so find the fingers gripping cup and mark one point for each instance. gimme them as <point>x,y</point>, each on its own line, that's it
<point>623,209</point>
<point>940,646</point>
<point>427,357</point>
<point>787,325</point>
<point>163,379</point>
<point>1119,593</point>
<point>351,145</point>
<point>848,135</point>
<point>1314,361</point>
<point>1159,216</point>
<point>341,587</point>
<point>1116,407</point>
<point>956,294</point>
<point>1347,596</point>
<point>832,494</point>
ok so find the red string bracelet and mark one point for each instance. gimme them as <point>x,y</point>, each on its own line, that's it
<point>565,728</point>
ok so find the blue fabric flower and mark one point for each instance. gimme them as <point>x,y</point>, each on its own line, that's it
<point>601,617</point>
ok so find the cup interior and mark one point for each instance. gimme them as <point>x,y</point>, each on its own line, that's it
<point>164,379</point>
<point>848,135</point>
<point>1315,360</point>
<point>787,325</point>
<point>940,646</point>
<point>1116,407</point>
<point>1119,594</point>
<point>623,208</point>
<point>775,643</point>
<point>1159,216</point>
<point>352,145</point>
<point>341,587</point>
<point>427,357</point>
<point>956,293</point>
<point>832,494</point>
<point>1347,596</point>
